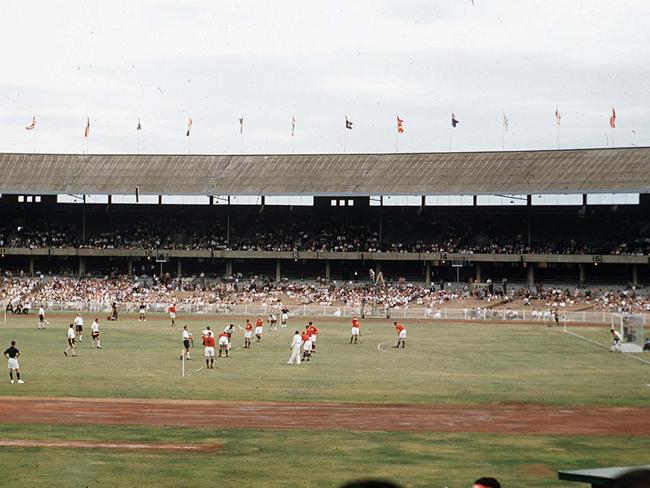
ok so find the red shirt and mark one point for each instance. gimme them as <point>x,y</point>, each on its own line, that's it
<point>399,328</point>
<point>312,330</point>
<point>223,334</point>
<point>356,324</point>
<point>209,341</point>
<point>172,309</point>
<point>305,337</point>
<point>259,322</point>
<point>248,326</point>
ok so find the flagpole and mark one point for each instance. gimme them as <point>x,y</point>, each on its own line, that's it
<point>345,136</point>
<point>450,129</point>
<point>396,142</point>
<point>241,142</point>
<point>557,136</point>
<point>503,137</point>
<point>34,140</point>
<point>137,147</point>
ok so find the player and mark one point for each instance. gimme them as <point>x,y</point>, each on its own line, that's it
<point>143,312</point>
<point>401,334</point>
<point>172,314</point>
<point>486,483</point>
<point>187,338</point>
<point>616,340</point>
<point>229,330</point>
<point>273,321</point>
<point>284,316</point>
<point>209,343</point>
<point>12,353</point>
<point>79,327</point>
<point>71,344</point>
<point>356,329</point>
<point>224,340</point>
<point>306,346</point>
<point>313,334</point>
<point>259,323</point>
<point>248,333</point>
<point>94,333</point>
<point>296,343</point>
<point>41,318</point>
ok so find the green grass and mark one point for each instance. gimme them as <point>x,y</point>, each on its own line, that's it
<point>307,459</point>
<point>443,363</point>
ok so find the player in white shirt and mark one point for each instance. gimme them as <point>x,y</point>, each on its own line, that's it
<point>79,327</point>
<point>41,317</point>
<point>273,321</point>
<point>71,344</point>
<point>296,343</point>
<point>94,332</point>
<point>187,339</point>
<point>143,312</point>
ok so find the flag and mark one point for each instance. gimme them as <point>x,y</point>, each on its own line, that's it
<point>348,124</point>
<point>293,125</point>
<point>87,129</point>
<point>139,127</point>
<point>612,119</point>
<point>189,127</point>
<point>454,120</point>
<point>505,122</point>
<point>558,117</point>
<point>400,125</point>
<point>32,125</point>
<point>241,125</point>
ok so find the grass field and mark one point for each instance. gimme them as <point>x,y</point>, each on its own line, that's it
<point>442,363</point>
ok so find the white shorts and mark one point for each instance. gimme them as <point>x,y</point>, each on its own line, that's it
<point>13,363</point>
<point>248,334</point>
<point>223,341</point>
<point>209,352</point>
<point>402,334</point>
<point>307,346</point>
<point>172,315</point>
<point>355,331</point>
<point>258,331</point>
<point>312,338</point>
<point>284,317</point>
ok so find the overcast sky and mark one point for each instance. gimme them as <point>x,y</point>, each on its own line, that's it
<point>165,61</point>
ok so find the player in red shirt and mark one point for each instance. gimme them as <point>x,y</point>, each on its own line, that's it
<point>356,330</point>
<point>307,345</point>
<point>401,334</point>
<point>248,333</point>
<point>209,343</point>
<point>313,334</point>
<point>172,314</point>
<point>258,328</point>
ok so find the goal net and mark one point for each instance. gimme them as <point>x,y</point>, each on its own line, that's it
<point>631,327</point>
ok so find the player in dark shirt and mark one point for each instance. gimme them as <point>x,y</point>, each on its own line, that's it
<point>12,353</point>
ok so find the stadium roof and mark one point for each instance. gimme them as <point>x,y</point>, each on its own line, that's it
<point>511,172</point>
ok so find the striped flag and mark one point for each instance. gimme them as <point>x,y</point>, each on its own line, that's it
<point>293,125</point>
<point>189,127</point>
<point>87,129</point>
<point>612,119</point>
<point>558,117</point>
<point>32,125</point>
<point>400,125</point>
<point>241,125</point>
<point>454,120</point>
<point>505,122</point>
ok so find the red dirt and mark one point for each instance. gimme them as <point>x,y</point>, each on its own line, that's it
<point>111,445</point>
<point>494,418</point>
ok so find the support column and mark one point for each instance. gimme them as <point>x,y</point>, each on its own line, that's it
<point>635,275</point>
<point>82,266</point>
<point>530,274</point>
<point>31,265</point>
<point>478,278</point>
<point>228,267</point>
<point>328,273</point>
<point>179,268</point>
<point>581,274</point>
<point>130,267</point>
<point>278,270</point>
<point>427,273</point>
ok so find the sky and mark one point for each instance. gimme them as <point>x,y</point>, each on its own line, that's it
<point>164,61</point>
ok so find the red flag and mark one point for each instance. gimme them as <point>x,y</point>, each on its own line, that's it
<point>400,125</point>
<point>558,117</point>
<point>32,125</point>
<point>612,119</point>
<point>87,129</point>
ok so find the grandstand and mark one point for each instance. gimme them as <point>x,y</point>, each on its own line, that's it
<point>577,217</point>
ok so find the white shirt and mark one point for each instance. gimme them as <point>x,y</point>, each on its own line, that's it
<point>94,326</point>
<point>206,333</point>
<point>41,311</point>
<point>297,341</point>
<point>78,320</point>
<point>71,333</point>
<point>186,335</point>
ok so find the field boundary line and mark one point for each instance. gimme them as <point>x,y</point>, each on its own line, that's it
<point>604,346</point>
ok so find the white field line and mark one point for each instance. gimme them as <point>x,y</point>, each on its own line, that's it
<point>605,346</point>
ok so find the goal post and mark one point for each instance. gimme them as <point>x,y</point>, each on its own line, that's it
<point>632,329</point>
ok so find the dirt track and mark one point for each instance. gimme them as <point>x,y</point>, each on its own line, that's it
<point>497,418</point>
